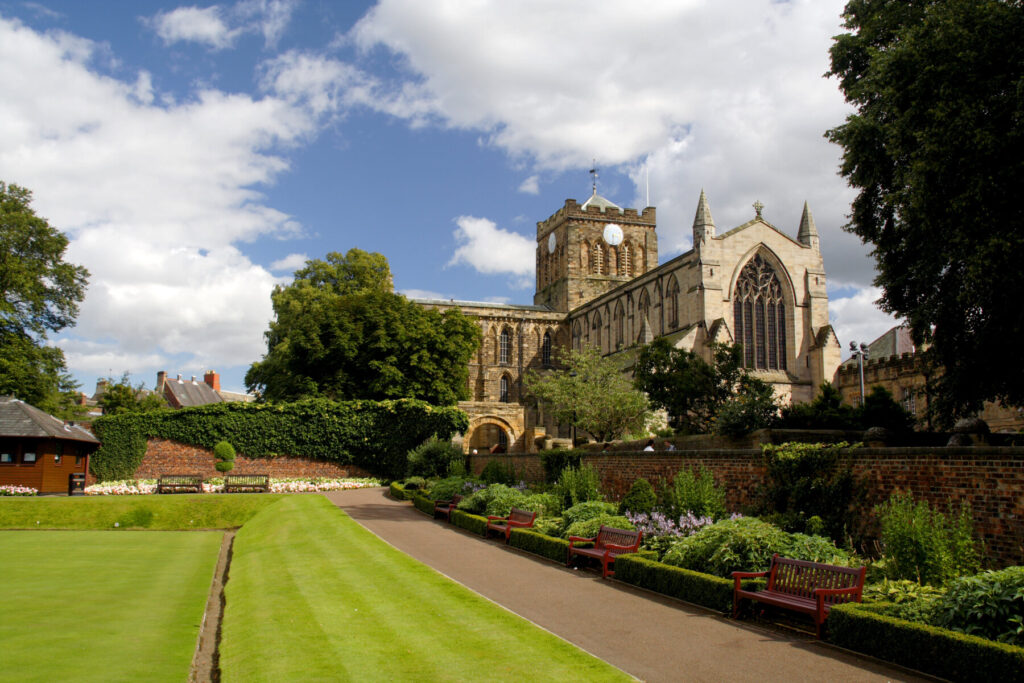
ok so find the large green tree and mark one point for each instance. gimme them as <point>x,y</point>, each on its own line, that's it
<point>693,391</point>
<point>39,293</point>
<point>121,396</point>
<point>936,152</point>
<point>341,333</point>
<point>592,393</point>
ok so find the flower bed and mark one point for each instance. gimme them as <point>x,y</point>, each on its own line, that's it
<point>135,487</point>
<point>12,490</point>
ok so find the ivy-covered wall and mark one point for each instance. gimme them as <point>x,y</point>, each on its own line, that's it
<point>372,435</point>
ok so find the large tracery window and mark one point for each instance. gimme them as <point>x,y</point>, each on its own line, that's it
<point>759,315</point>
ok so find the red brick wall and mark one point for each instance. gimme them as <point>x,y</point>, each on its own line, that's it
<point>164,456</point>
<point>990,479</point>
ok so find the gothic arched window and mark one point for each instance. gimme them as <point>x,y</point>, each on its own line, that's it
<point>597,265</point>
<point>759,316</point>
<point>596,338</point>
<point>619,324</point>
<point>545,350</point>
<point>673,303</point>
<point>504,345</point>
<point>577,335</point>
<point>625,262</point>
<point>505,396</point>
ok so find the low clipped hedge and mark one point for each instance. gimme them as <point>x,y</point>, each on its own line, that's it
<point>701,589</point>
<point>373,435</point>
<point>398,492</point>
<point>938,651</point>
<point>423,503</point>
<point>556,549</point>
<point>469,522</point>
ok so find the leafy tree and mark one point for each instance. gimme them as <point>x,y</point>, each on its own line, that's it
<point>688,387</point>
<point>826,411</point>
<point>39,293</point>
<point>122,397</point>
<point>936,151</point>
<point>753,407</point>
<point>880,409</point>
<point>592,393</point>
<point>341,333</point>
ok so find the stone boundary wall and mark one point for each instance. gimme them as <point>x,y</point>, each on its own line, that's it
<point>991,479</point>
<point>164,456</point>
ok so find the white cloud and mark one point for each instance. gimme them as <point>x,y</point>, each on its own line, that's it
<point>423,294</point>
<point>531,185</point>
<point>194,24</point>
<point>725,96</point>
<point>493,251</point>
<point>219,27</point>
<point>154,197</point>
<point>291,262</point>
<point>857,318</point>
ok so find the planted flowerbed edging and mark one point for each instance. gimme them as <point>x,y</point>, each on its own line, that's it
<point>469,522</point>
<point>140,487</point>
<point>540,544</point>
<point>422,503</point>
<point>701,589</point>
<point>12,490</point>
<point>938,651</point>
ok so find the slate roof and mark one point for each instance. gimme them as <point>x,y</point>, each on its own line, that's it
<point>192,393</point>
<point>19,419</point>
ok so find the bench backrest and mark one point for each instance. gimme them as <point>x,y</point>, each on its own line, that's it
<point>610,535</point>
<point>800,578</point>
<point>253,479</point>
<point>456,499</point>
<point>180,479</point>
<point>523,516</point>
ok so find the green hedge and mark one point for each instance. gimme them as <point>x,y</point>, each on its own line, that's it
<point>373,435</point>
<point>556,549</point>
<point>700,589</point>
<point>947,654</point>
<point>469,522</point>
<point>397,491</point>
<point>422,503</point>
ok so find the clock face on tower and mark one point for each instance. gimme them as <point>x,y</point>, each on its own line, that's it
<point>551,243</point>
<point>613,235</point>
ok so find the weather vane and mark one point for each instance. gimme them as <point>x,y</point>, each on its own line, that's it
<point>593,172</point>
<point>757,207</point>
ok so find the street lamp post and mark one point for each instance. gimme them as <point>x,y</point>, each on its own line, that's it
<point>861,354</point>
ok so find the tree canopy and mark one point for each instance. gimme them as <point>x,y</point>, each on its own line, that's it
<point>936,152</point>
<point>122,396</point>
<point>39,293</point>
<point>592,393</point>
<point>341,333</point>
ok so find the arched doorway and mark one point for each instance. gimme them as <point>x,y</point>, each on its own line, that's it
<point>487,435</point>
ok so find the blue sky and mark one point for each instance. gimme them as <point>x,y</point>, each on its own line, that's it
<point>197,154</point>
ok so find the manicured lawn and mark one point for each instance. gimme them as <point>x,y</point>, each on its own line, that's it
<point>102,605</point>
<point>314,596</point>
<point>177,511</point>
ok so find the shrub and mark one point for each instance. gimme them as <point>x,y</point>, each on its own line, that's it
<point>922,544</point>
<point>503,499</point>
<point>479,502</point>
<point>544,504</point>
<point>588,510</point>
<point>661,533</point>
<point>497,472</point>
<point>556,460</point>
<point>224,451</point>
<point>989,605</point>
<point>577,485</point>
<point>222,466</point>
<point>905,599</point>
<point>539,544</point>
<point>433,458</point>
<point>809,480</point>
<point>694,493</point>
<point>640,499</point>
<point>589,528</point>
<point>752,408</point>
<point>415,483</point>
<point>446,489</point>
<point>745,544</point>
<point>549,526</point>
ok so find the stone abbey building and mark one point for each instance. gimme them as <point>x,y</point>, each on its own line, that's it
<point>599,283</point>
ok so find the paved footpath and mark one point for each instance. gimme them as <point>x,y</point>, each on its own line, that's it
<point>650,637</point>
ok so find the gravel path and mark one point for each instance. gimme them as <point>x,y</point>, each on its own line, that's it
<point>648,636</point>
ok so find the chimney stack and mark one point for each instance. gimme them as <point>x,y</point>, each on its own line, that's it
<point>161,380</point>
<point>213,379</point>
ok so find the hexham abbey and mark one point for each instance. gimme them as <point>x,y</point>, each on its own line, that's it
<point>599,283</point>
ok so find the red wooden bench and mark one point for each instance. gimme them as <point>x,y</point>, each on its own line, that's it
<point>800,586</point>
<point>608,544</point>
<point>517,519</point>
<point>443,508</point>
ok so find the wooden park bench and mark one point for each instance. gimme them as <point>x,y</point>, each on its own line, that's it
<point>800,586</point>
<point>443,508</point>
<point>171,483</point>
<point>246,482</point>
<point>607,545</point>
<point>517,519</point>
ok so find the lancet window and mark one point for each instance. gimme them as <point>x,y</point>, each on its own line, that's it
<point>504,346</point>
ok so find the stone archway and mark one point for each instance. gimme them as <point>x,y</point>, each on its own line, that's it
<point>488,432</point>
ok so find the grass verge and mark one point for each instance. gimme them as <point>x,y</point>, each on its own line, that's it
<point>102,606</point>
<point>314,596</point>
<point>178,511</point>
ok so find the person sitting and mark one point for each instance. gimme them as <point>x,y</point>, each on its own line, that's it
<point>650,445</point>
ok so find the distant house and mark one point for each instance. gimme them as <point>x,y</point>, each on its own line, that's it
<point>39,450</point>
<point>182,393</point>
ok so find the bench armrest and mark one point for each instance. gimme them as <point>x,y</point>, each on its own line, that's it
<point>620,548</point>
<point>739,576</point>
<point>496,518</point>
<point>580,539</point>
<point>442,503</point>
<point>520,524</point>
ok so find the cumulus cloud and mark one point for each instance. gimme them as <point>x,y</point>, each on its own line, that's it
<point>857,318</point>
<point>154,198</point>
<point>488,249</point>
<point>194,24</point>
<point>218,26</point>
<point>291,262</point>
<point>423,294</point>
<point>531,185</point>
